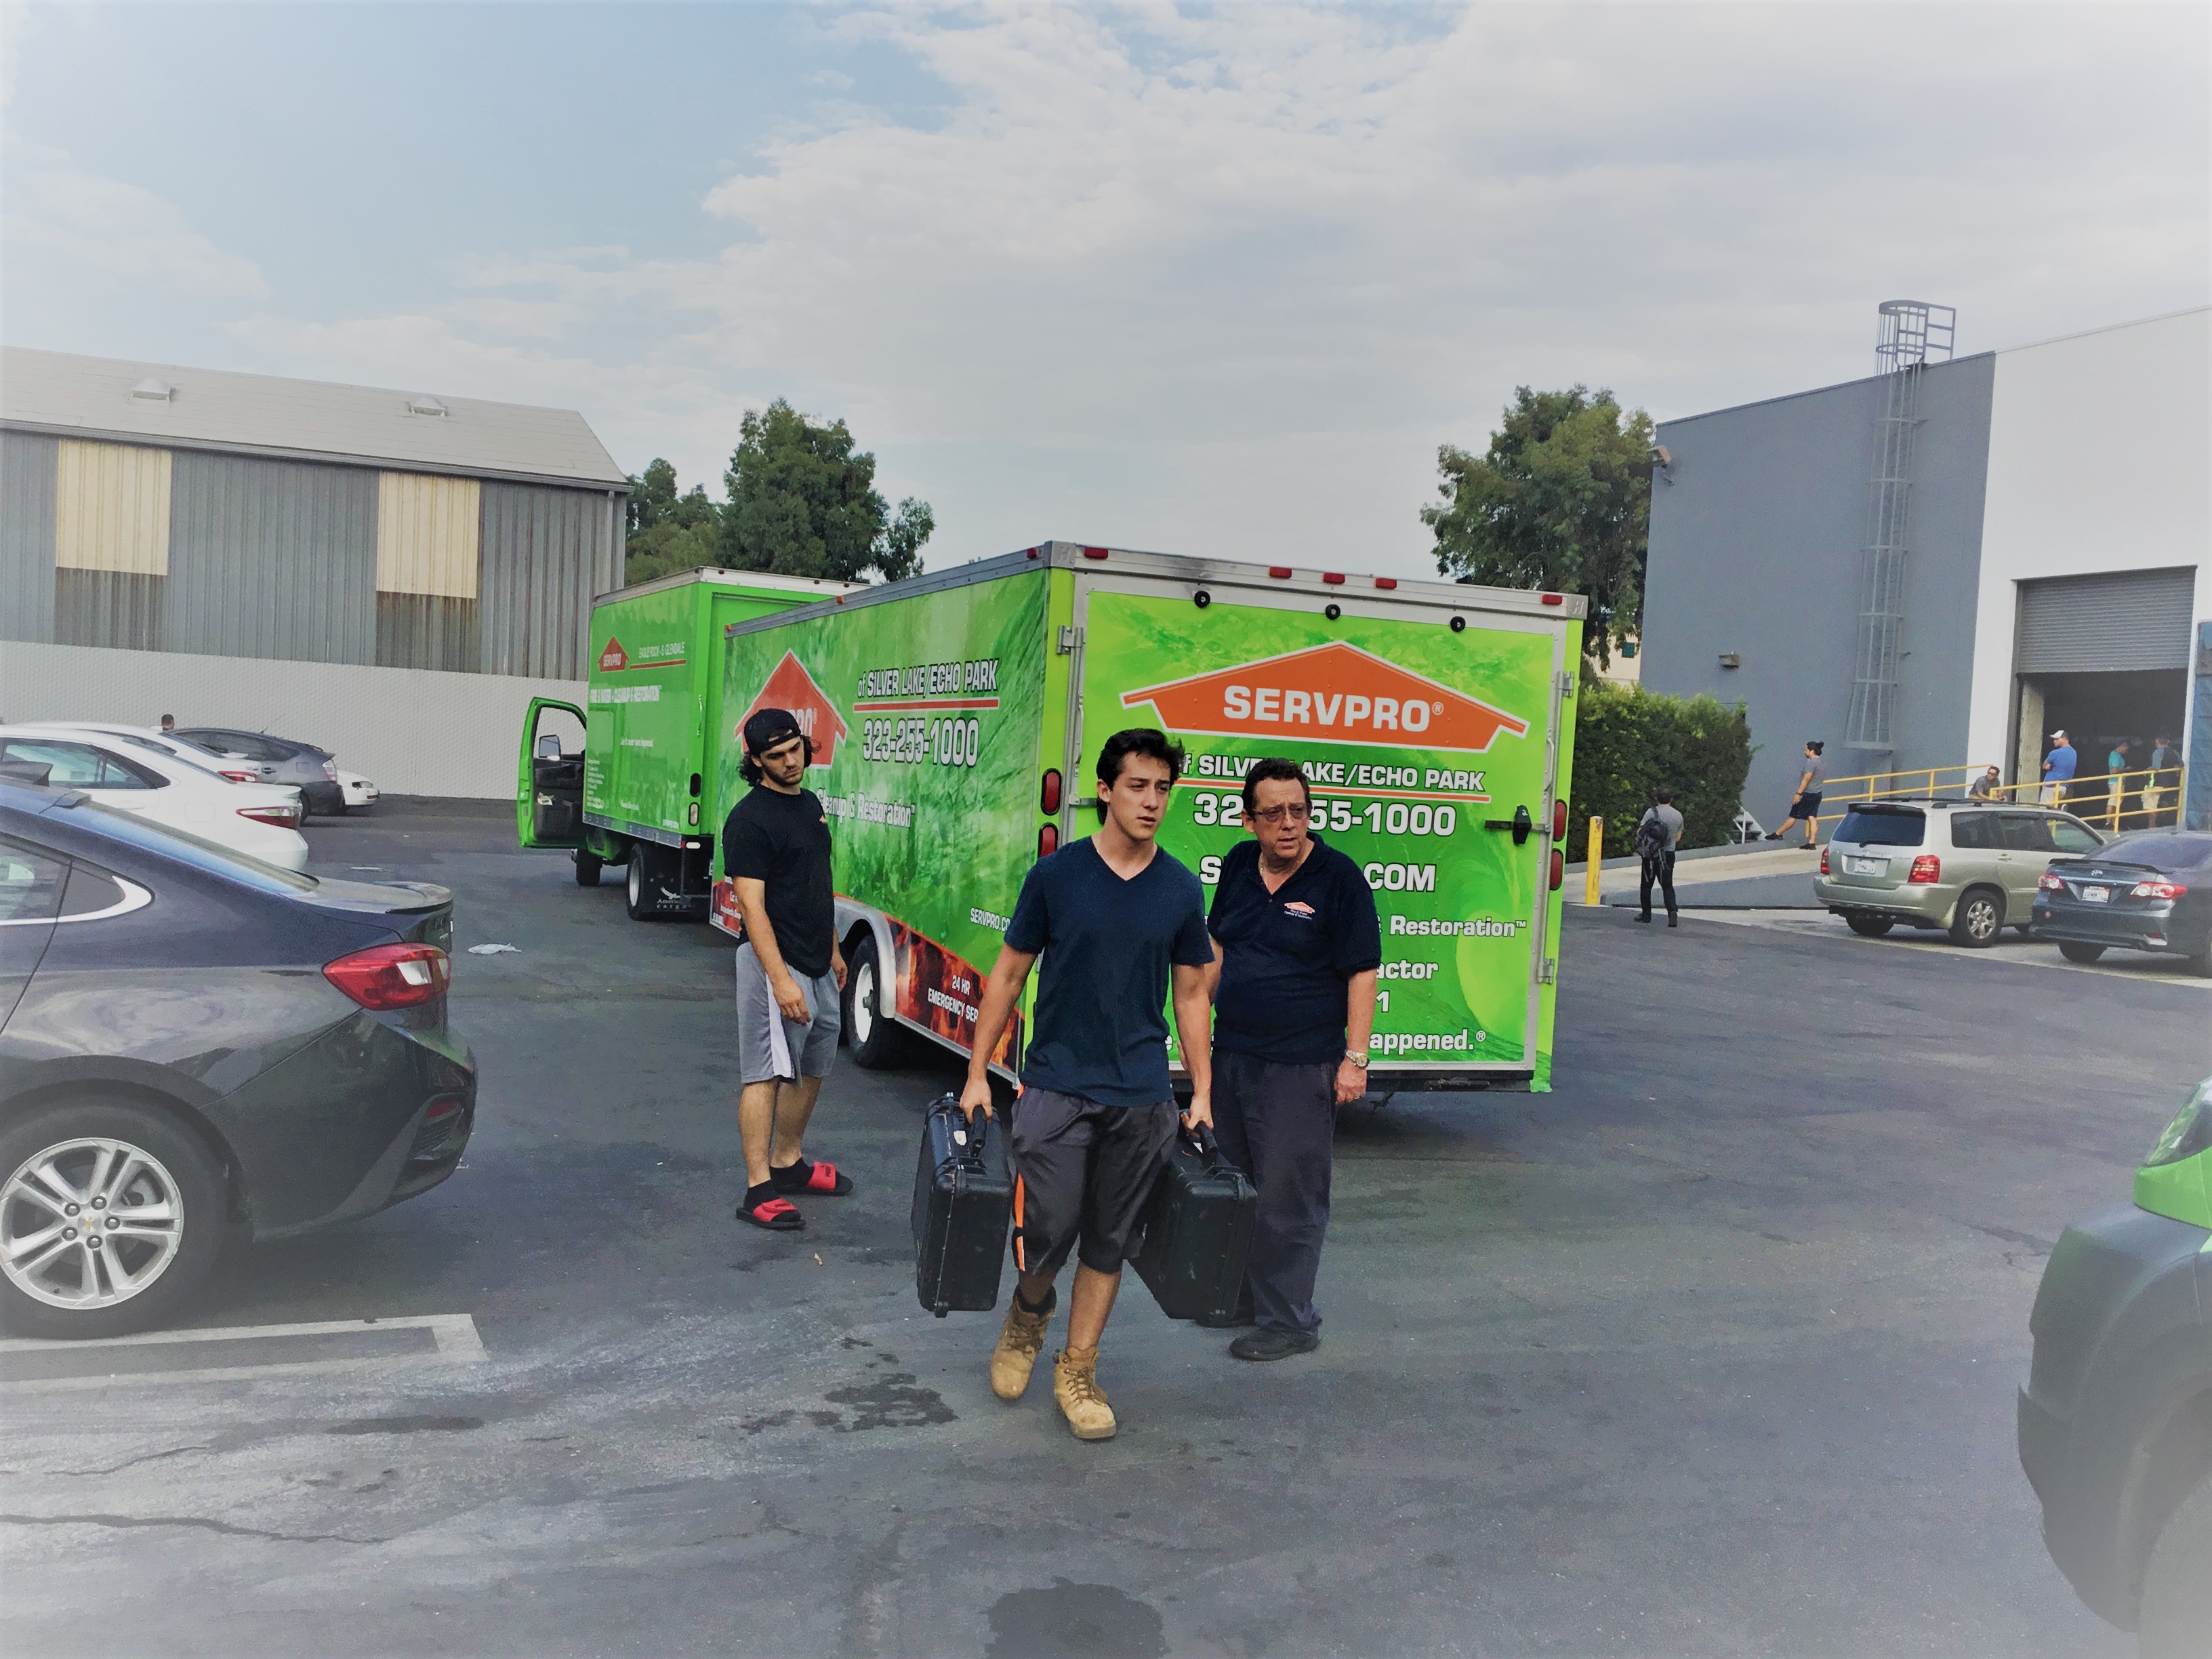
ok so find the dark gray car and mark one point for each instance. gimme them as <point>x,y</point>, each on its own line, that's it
<point>194,1043</point>
<point>313,772</point>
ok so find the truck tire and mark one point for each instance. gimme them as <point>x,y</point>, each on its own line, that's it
<point>1869,926</point>
<point>2074,951</point>
<point>2176,1609</point>
<point>154,1193</point>
<point>875,1040</point>
<point>1978,918</point>
<point>587,868</point>
<point>641,876</point>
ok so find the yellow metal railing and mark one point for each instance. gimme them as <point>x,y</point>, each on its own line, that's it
<point>2136,799</point>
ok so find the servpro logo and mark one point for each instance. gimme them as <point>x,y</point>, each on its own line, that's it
<point>614,658</point>
<point>792,687</point>
<point>1334,692</point>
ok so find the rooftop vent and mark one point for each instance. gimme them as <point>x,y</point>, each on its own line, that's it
<point>153,390</point>
<point>425,405</point>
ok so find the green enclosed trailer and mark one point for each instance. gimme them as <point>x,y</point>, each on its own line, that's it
<point>956,717</point>
<point>630,779</point>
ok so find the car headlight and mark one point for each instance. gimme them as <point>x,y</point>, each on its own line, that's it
<point>2189,1133</point>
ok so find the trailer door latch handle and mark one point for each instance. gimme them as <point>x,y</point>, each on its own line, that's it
<point>1521,823</point>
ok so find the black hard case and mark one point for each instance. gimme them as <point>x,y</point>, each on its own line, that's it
<point>1198,1232</point>
<point>963,1203</point>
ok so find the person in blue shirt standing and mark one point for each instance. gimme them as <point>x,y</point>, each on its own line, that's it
<point>1299,948</point>
<point>1115,918</point>
<point>2058,768</point>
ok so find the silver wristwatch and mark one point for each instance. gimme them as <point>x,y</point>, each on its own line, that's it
<point>1360,1060</point>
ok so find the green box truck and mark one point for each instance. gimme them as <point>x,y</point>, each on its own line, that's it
<point>955,718</point>
<point>628,779</point>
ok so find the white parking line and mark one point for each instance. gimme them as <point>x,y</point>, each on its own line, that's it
<point>2139,969</point>
<point>454,1338</point>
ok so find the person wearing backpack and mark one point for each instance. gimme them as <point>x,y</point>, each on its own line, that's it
<point>1656,833</point>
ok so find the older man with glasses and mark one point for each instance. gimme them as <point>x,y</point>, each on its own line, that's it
<point>1296,949</point>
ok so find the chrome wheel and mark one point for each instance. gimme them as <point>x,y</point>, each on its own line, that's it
<point>88,1223</point>
<point>863,998</point>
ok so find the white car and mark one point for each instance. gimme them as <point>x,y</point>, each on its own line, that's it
<point>259,820</point>
<point>236,767</point>
<point>359,792</point>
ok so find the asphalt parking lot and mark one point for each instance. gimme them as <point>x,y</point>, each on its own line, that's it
<point>1712,1352</point>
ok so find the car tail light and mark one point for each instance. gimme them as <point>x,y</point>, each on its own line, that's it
<point>1558,869</point>
<point>331,770</point>
<point>1824,860</point>
<point>2051,883</point>
<point>392,975</point>
<point>2158,889</point>
<point>237,776</point>
<point>1925,869</point>
<point>1049,795</point>
<point>1048,840</point>
<point>283,818</point>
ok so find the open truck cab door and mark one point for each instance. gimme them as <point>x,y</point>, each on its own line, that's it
<point>549,785</point>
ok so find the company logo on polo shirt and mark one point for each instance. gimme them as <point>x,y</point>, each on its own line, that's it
<point>792,687</point>
<point>1298,907</point>
<point>1332,693</point>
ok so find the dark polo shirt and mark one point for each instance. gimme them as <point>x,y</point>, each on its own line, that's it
<point>1286,955</point>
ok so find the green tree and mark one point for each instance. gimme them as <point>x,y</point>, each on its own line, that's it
<point>802,503</point>
<point>1562,501</point>
<point>668,532</point>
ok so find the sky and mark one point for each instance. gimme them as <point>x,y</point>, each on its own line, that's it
<point>1200,279</point>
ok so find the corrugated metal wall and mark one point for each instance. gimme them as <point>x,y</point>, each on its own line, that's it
<point>2129,619</point>
<point>272,559</point>
<point>29,462</point>
<point>236,555</point>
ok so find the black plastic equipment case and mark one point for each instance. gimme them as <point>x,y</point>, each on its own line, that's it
<point>962,1202</point>
<point>1198,1232</point>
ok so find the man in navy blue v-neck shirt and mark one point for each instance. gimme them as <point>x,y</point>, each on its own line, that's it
<point>1116,920</point>
<point>1299,948</point>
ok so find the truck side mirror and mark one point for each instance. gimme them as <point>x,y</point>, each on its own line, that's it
<point>548,745</point>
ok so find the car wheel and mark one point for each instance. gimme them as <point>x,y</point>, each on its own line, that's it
<point>1869,926</point>
<point>876,1041</point>
<point>2201,963</point>
<point>587,868</point>
<point>1979,919</point>
<point>2176,1609</point>
<point>2074,953</point>
<point>111,1216</point>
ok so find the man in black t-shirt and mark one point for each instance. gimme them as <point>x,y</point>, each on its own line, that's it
<point>1299,949</point>
<point>776,847</point>
<point>1115,918</point>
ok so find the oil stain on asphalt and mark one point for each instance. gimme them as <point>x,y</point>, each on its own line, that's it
<point>1074,1622</point>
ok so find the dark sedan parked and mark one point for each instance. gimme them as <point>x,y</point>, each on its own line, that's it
<point>194,1042</point>
<point>313,772</point>
<point>2148,891</point>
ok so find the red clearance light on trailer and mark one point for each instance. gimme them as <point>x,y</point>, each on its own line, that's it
<point>1386,582</point>
<point>1048,840</point>
<point>1559,820</point>
<point>1281,573</point>
<point>1555,598</point>
<point>1558,869</point>
<point>1048,797</point>
<point>1334,577</point>
<point>1094,552</point>
<point>1029,553</point>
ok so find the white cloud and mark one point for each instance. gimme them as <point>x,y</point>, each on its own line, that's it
<point>84,229</point>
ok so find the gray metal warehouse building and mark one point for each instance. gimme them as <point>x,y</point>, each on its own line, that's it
<point>390,574</point>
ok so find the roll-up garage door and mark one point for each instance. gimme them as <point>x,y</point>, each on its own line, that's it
<point>2129,619</point>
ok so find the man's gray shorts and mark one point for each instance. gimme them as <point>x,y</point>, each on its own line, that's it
<point>1086,1171</point>
<point>769,1045</point>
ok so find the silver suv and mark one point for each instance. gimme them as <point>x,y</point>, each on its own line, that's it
<point>1967,866</point>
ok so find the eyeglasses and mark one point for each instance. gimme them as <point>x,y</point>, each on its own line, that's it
<point>1272,815</point>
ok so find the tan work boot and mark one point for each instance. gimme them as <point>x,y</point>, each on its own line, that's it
<point>1020,1340</point>
<point>1082,1401</point>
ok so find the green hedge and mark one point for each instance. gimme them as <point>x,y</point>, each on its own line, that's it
<point>1630,742</point>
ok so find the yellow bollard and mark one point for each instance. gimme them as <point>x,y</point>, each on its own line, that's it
<point>1596,858</point>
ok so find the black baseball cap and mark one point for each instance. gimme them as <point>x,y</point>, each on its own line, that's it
<point>767,727</point>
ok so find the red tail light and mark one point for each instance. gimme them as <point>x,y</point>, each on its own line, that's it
<point>2051,883</point>
<point>283,818</point>
<point>392,975</point>
<point>236,776</point>
<point>1048,840</point>
<point>331,770</point>
<point>1558,869</point>
<point>1824,860</point>
<point>1926,868</point>
<point>1048,796</point>
<point>2158,889</point>
<point>1559,820</point>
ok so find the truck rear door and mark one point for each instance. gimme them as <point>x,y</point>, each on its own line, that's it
<point>1429,735</point>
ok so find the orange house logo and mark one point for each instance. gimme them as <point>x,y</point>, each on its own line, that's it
<point>792,687</point>
<point>1333,693</point>
<point>614,658</point>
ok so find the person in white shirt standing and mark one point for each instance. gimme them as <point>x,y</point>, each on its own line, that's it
<point>1658,832</point>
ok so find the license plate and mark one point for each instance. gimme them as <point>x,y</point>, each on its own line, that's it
<point>2096,894</point>
<point>1865,866</point>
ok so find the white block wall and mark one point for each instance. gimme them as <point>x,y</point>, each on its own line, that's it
<point>414,731</point>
